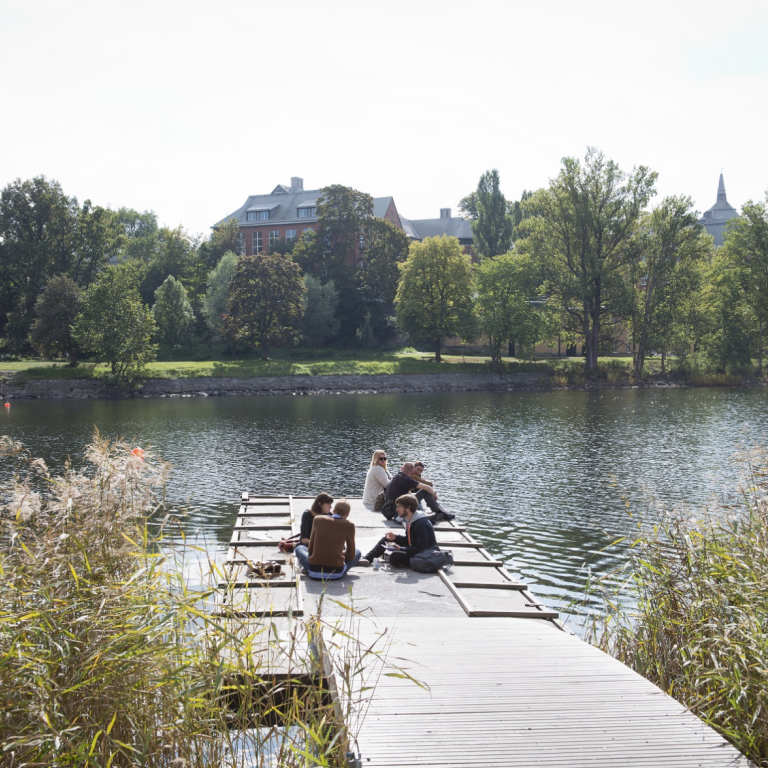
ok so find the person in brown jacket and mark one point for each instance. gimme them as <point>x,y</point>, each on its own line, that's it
<point>331,551</point>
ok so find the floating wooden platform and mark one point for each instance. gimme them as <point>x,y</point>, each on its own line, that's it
<point>501,683</point>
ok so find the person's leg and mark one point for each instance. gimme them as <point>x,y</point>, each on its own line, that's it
<point>353,562</point>
<point>431,502</point>
<point>377,551</point>
<point>302,555</point>
<point>399,559</point>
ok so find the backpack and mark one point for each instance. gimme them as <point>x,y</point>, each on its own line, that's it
<point>431,560</point>
<point>389,509</point>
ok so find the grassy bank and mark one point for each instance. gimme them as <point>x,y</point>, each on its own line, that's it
<point>562,372</point>
<point>108,659</point>
<point>700,627</point>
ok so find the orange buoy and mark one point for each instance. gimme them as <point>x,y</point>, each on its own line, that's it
<point>138,452</point>
<point>7,405</point>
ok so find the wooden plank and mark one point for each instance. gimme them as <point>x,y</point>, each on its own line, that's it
<point>513,585</point>
<point>514,614</point>
<point>480,563</point>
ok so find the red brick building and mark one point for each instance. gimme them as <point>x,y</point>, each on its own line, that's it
<point>287,212</point>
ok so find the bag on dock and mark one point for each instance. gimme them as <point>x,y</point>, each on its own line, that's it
<point>379,502</point>
<point>261,570</point>
<point>431,560</point>
<point>287,545</point>
<point>389,510</point>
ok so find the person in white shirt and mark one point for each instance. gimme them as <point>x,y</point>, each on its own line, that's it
<point>377,478</point>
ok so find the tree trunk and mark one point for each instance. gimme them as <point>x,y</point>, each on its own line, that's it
<point>438,359</point>
<point>760,350</point>
<point>639,360</point>
<point>264,352</point>
<point>663,363</point>
<point>495,354</point>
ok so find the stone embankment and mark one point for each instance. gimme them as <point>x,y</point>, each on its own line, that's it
<point>86,389</point>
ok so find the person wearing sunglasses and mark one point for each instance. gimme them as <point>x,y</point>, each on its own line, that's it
<point>376,480</point>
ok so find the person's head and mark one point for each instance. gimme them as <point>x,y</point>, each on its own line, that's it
<point>418,468</point>
<point>379,459</point>
<point>322,504</point>
<point>407,468</point>
<point>341,508</point>
<point>406,504</point>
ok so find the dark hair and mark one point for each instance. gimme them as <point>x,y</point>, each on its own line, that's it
<point>418,464</point>
<point>409,501</point>
<point>320,499</point>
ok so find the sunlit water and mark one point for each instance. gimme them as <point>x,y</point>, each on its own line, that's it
<point>546,479</point>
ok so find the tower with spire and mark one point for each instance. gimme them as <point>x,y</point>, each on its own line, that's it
<point>715,219</point>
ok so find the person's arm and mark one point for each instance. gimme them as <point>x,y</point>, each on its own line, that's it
<point>349,555</point>
<point>427,488</point>
<point>400,540</point>
<point>311,543</point>
<point>421,538</point>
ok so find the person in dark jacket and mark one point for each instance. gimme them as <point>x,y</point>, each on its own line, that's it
<point>320,506</point>
<point>404,483</point>
<point>419,535</point>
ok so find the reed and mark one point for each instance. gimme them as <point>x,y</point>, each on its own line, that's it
<point>107,658</point>
<point>698,625</point>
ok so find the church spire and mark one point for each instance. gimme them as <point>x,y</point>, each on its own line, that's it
<point>721,191</point>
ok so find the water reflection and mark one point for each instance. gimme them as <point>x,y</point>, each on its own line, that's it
<point>543,478</point>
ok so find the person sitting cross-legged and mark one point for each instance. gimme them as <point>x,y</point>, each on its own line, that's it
<point>331,551</point>
<point>419,535</point>
<point>403,483</point>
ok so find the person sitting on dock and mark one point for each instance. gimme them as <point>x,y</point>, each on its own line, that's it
<point>377,479</point>
<point>331,551</point>
<point>320,506</point>
<point>403,483</point>
<point>419,535</point>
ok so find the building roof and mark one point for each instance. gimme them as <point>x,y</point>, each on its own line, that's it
<point>716,217</point>
<point>446,225</point>
<point>283,204</point>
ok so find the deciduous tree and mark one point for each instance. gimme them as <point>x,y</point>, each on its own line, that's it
<point>435,290</point>
<point>579,236</point>
<point>217,296</point>
<point>116,325</point>
<point>56,309</point>
<point>492,229</point>
<point>173,314</point>
<point>320,301</point>
<point>266,302</point>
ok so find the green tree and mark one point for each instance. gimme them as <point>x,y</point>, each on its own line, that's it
<point>435,290</point>
<point>492,229</point>
<point>507,305</point>
<point>225,238</point>
<point>746,244</point>
<point>579,237</point>
<point>216,298</point>
<point>266,302</point>
<point>173,314</point>
<point>56,309</point>
<point>141,235</point>
<point>320,321</point>
<point>662,275</point>
<point>116,325</point>
<point>174,255</point>
<point>99,235</point>
<point>37,235</point>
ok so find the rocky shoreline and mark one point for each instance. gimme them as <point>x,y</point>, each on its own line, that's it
<point>90,389</point>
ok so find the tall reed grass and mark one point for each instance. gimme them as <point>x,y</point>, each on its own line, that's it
<point>107,658</point>
<point>698,627</point>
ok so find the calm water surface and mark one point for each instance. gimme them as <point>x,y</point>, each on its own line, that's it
<point>543,479</point>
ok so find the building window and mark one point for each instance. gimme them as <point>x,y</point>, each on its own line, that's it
<point>251,215</point>
<point>240,243</point>
<point>256,246</point>
<point>274,236</point>
<point>290,235</point>
<point>305,213</point>
<point>263,214</point>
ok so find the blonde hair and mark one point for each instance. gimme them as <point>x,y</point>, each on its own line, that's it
<point>342,507</point>
<point>376,456</point>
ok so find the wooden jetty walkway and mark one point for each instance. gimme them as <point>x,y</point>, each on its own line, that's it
<point>501,683</point>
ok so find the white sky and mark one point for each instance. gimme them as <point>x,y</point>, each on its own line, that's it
<point>186,108</point>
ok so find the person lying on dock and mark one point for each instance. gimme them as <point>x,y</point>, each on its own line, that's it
<point>331,551</point>
<point>320,506</point>
<point>376,479</point>
<point>419,535</point>
<point>403,483</point>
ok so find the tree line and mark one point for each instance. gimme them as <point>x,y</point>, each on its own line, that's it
<point>583,260</point>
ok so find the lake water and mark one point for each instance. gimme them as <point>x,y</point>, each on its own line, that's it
<point>546,479</point>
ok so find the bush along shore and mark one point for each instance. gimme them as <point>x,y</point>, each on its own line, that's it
<point>698,622</point>
<point>388,373</point>
<point>108,658</point>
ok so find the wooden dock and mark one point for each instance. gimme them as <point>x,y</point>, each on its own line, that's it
<point>500,682</point>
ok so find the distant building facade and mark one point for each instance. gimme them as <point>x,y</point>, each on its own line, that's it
<point>286,213</point>
<point>717,217</point>
<point>452,226</point>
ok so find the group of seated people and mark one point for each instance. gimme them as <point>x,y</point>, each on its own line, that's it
<point>327,548</point>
